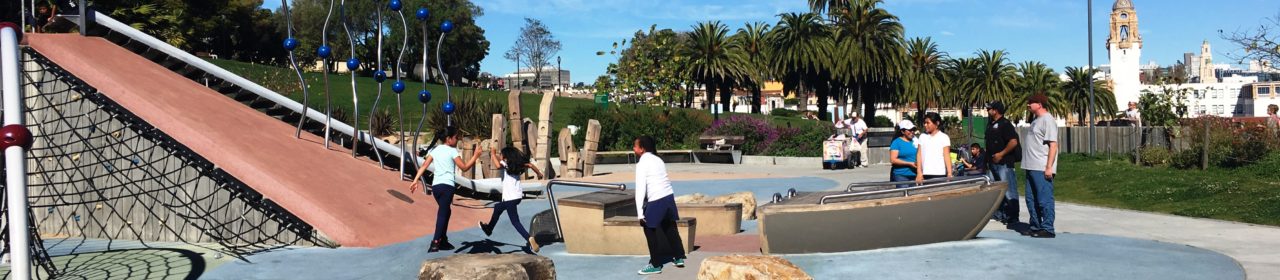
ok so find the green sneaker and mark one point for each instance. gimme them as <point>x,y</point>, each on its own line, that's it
<point>649,269</point>
<point>679,262</point>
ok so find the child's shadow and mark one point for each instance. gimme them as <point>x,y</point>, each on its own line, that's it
<point>489,246</point>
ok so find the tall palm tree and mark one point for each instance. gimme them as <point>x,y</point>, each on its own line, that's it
<point>753,38</point>
<point>869,50</point>
<point>960,78</point>
<point>924,76</point>
<point>713,57</point>
<point>801,46</point>
<point>994,80</point>
<point>1076,93</point>
<point>1035,77</point>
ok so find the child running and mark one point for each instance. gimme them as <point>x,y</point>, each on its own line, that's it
<point>442,184</point>
<point>513,164</point>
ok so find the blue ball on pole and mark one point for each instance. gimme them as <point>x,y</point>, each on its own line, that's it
<point>448,107</point>
<point>379,76</point>
<point>290,44</point>
<point>397,87</point>
<point>424,96</point>
<point>324,51</point>
<point>353,64</point>
<point>446,26</point>
<point>394,5</point>
<point>423,13</point>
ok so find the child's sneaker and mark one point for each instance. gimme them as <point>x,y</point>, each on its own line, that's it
<point>487,230</point>
<point>679,262</point>
<point>650,269</point>
<point>533,244</point>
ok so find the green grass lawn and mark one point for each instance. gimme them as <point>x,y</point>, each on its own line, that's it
<point>1248,194</point>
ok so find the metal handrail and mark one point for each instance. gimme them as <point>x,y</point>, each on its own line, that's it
<point>940,182</point>
<point>551,197</point>
<point>893,183</point>
<point>15,157</point>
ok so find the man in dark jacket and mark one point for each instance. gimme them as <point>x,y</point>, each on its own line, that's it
<point>1002,153</point>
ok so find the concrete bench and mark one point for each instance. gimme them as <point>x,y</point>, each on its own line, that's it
<point>605,223</point>
<point>714,219</point>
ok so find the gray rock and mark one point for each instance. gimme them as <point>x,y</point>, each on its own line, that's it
<point>488,266</point>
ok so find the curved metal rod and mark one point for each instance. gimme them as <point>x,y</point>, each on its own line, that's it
<point>551,196</point>
<point>328,98</point>
<point>892,183</point>
<point>374,110</point>
<point>355,96</point>
<point>448,118</point>
<point>425,70</point>
<point>404,154</point>
<point>284,6</point>
<point>907,191</point>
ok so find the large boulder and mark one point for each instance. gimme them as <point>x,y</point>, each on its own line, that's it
<point>749,267</point>
<point>488,266</point>
<point>747,199</point>
<point>693,198</point>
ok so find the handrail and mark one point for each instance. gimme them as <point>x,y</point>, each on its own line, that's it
<point>241,82</point>
<point>907,191</point>
<point>15,157</point>
<point>893,183</point>
<point>551,197</point>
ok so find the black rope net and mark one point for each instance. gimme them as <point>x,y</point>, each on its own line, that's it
<point>98,172</point>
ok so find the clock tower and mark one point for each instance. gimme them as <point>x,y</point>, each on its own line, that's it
<point>1124,48</point>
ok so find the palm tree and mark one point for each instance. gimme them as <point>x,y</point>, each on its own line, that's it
<point>960,78</point>
<point>755,46</point>
<point>994,80</point>
<point>712,57</point>
<point>1076,93</point>
<point>924,77</point>
<point>869,50</point>
<point>1035,77</point>
<point>801,47</point>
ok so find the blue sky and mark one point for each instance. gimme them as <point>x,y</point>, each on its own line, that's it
<point>1050,31</point>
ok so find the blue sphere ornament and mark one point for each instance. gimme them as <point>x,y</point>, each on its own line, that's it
<point>447,26</point>
<point>424,96</point>
<point>379,76</point>
<point>448,107</point>
<point>423,13</point>
<point>394,5</point>
<point>353,64</point>
<point>397,87</point>
<point>324,51</point>
<point>290,44</point>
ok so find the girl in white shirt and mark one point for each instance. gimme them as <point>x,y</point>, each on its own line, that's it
<point>656,205</point>
<point>513,164</point>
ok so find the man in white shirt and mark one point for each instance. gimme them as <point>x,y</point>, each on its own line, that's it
<point>1133,115</point>
<point>656,205</point>
<point>859,130</point>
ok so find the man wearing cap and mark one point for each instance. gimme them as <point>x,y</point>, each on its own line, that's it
<point>1002,153</point>
<point>859,129</point>
<point>1039,159</point>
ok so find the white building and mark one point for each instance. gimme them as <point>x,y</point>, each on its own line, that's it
<point>1232,97</point>
<point>524,79</point>
<point>1124,48</point>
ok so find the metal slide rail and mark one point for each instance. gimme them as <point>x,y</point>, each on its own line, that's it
<point>551,196</point>
<point>928,184</point>
<point>250,86</point>
<point>15,158</point>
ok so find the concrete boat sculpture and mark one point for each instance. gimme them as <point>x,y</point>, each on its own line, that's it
<point>877,215</point>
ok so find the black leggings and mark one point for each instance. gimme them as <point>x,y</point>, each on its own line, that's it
<point>444,200</point>
<point>512,214</point>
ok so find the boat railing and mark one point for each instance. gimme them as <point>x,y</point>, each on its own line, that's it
<point>551,196</point>
<point>927,184</point>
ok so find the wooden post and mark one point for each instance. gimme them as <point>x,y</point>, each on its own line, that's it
<point>589,148</point>
<point>530,135</point>
<point>499,141</point>
<point>467,146</point>
<point>1204,153</point>
<point>574,169</point>
<point>514,120</point>
<point>564,146</point>
<point>544,133</point>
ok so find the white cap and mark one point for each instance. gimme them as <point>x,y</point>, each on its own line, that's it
<point>906,124</point>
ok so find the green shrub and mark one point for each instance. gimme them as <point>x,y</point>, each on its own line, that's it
<point>1229,144</point>
<point>800,142</point>
<point>784,112</point>
<point>1155,156</point>
<point>473,117</point>
<point>882,121</point>
<point>671,129</point>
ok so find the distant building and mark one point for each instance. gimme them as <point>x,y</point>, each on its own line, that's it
<point>524,79</point>
<point>1124,49</point>
<point>1233,96</point>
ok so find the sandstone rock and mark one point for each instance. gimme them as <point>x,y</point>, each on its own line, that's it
<point>391,139</point>
<point>749,267</point>
<point>747,199</point>
<point>488,266</point>
<point>693,198</point>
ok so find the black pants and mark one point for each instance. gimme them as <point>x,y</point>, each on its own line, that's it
<point>660,231</point>
<point>512,214</point>
<point>444,200</point>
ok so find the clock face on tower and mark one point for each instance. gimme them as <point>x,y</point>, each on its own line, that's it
<point>1124,16</point>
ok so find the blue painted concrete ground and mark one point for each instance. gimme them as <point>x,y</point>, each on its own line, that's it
<point>994,255</point>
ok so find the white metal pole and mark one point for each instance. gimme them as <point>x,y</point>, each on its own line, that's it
<point>15,160</point>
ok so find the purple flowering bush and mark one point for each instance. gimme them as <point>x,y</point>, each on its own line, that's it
<point>762,138</point>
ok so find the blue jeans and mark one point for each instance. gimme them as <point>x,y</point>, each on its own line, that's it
<point>1008,212</point>
<point>512,214</point>
<point>900,178</point>
<point>1039,201</point>
<point>444,201</point>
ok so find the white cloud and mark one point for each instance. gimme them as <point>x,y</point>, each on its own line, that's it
<point>947,33</point>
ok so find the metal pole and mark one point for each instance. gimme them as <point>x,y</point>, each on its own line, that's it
<point>15,160</point>
<point>1093,110</point>
<point>558,75</point>
<point>84,19</point>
